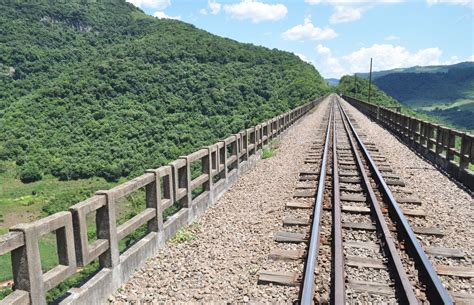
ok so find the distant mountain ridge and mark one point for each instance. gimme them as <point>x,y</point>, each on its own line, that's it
<point>446,92</point>
<point>419,69</point>
<point>332,81</point>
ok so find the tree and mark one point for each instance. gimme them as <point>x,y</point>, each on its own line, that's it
<point>30,172</point>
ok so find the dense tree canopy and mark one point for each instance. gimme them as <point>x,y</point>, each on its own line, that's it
<point>359,88</point>
<point>101,89</point>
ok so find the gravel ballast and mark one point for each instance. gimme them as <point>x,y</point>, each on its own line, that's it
<point>232,238</point>
<point>228,245</point>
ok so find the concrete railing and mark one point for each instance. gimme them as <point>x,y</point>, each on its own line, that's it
<point>451,150</point>
<point>220,166</point>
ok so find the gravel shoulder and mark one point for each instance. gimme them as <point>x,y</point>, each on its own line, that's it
<point>232,238</point>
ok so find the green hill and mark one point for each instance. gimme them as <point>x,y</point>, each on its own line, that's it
<point>102,89</point>
<point>359,88</point>
<point>446,92</point>
<point>418,69</point>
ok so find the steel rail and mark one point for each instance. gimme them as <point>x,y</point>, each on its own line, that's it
<point>307,292</point>
<point>435,289</point>
<point>339,287</point>
<point>406,293</point>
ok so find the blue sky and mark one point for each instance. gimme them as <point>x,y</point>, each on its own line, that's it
<point>338,36</point>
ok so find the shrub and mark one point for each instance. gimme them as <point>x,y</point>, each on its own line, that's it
<point>30,172</point>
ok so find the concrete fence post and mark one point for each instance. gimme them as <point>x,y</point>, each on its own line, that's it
<point>466,147</point>
<point>430,135</point>
<point>451,140</point>
<point>439,140</point>
<point>107,229</point>
<point>27,272</point>
<point>26,261</point>
<point>206,168</point>
<point>245,143</point>
<point>223,160</point>
<point>153,200</point>
<point>184,181</point>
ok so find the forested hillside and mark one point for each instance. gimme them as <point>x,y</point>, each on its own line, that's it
<point>446,92</point>
<point>101,89</point>
<point>359,88</point>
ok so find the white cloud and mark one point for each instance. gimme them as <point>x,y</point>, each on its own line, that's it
<point>203,11</point>
<point>350,10</point>
<point>304,58</point>
<point>385,56</point>
<point>470,58</point>
<point>323,50</point>
<point>467,3</point>
<point>256,11</point>
<point>308,31</point>
<point>392,37</point>
<point>346,14</point>
<point>214,7</point>
<point>155,4</point>
<point>327,64</point>
<point>162,15</point>
<point>358,2</point>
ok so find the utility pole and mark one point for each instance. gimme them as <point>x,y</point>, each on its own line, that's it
<point>370,78</point>
<point>355,82</point>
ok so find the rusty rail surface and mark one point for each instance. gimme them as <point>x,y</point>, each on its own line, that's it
<point>338,279</point>
<point>221,164</point>
<point>307,290</point>
<point>434,142</point>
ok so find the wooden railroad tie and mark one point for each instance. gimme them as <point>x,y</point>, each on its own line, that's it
<point>293,221</point>
<point>306,186</point>
<point>445,252</point>
<point>458,271</point>
<point>304,193</point>
<point>290,237</point>
<point>361,245</point>
<point>364,262</point>
<point>353,198</point>
<point>299,205</point>
<point>280,278</point>
<point>367,226</point>
<point>308,178</point>
<point>286,255</point>
<point>370,287</point>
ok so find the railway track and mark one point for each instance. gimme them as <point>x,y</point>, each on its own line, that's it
<point>357,244</point>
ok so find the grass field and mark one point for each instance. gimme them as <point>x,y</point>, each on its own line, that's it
<point>48,252</point>
<point>463,104</point>
<point>20,202</point>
